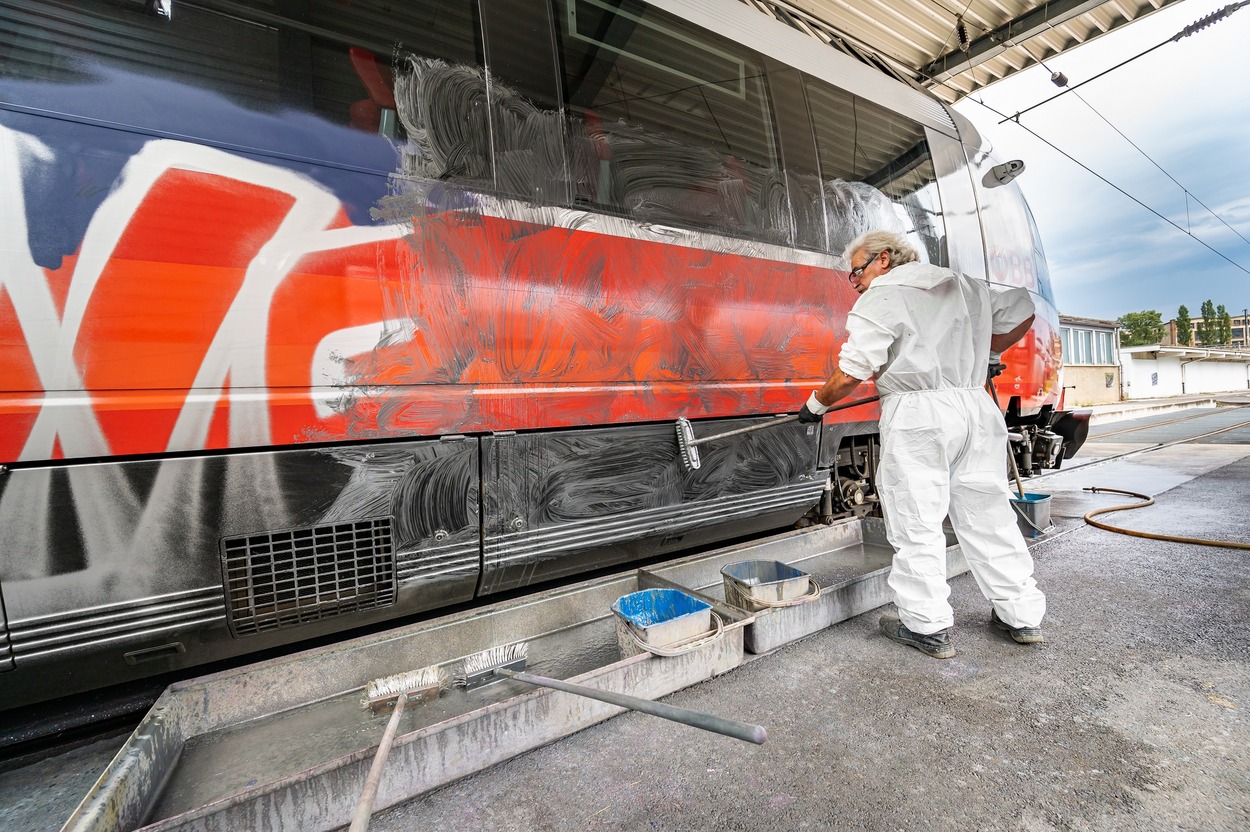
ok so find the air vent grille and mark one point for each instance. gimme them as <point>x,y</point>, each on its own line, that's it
<point>287,578</point>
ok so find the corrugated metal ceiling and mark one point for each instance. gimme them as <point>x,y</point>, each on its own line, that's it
<point>921,41</point>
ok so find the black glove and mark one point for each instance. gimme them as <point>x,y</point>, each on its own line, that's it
<point>995,370</point>
<point>808,415</point>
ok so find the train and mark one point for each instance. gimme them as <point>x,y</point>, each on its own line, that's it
<point>317,315</point>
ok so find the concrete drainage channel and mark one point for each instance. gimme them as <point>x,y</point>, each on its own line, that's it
<point>286,744</point>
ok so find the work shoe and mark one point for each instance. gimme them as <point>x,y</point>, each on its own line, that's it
<point>1020,635</point>
<point>938,645</point>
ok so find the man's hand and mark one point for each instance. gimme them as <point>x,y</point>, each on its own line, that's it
<point>833,391</point>
<point>996,370</point>
<point>812,410</point>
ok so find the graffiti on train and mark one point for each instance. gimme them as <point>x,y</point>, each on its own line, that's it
<point>218,301</point>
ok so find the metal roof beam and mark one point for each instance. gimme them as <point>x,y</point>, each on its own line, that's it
<point>1004,37</point>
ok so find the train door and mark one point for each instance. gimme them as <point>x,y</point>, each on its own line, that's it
<point>671,291</point>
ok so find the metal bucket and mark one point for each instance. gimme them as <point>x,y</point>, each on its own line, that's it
<point>661,617</point>
<point>1032,513</point>
<point>752,581</point>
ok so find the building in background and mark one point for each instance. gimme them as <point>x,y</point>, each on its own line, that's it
<point>1091,361</point>
<point>1241,331</point>
<point>1154,371</point>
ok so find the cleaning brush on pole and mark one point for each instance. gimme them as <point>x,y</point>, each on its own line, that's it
<point>422,685</point>
<point>688,445</point>
<point>508,662</point>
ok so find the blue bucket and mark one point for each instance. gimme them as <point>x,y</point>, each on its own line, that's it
<point>1032,513</point>
<point>664,616</point>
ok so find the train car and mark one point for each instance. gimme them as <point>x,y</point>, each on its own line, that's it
<point>316,314</point>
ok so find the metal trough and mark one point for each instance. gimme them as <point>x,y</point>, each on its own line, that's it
<point>850,561</point>
<point>285,744</point>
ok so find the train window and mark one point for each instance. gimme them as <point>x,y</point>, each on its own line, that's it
<point>798,153</point>
<point>68,43</point>
<point>275,76</point>
<point>527,125</point>
<point>964,249</point>
<point>1012,244</point>
<point>1040,270</point>
<point>877,171</point>
<point>668,123</point>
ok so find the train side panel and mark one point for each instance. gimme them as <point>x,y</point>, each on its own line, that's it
<point>312,332</point>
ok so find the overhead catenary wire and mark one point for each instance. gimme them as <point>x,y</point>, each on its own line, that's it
<point>1192,28</point>
<point>1107,181</point>
<point>955,30</point>
<point>1200,24</point>
<point>1188,30</point>
<point>959,93</point>
<point>1188,193</point>
<point>1075,87</point>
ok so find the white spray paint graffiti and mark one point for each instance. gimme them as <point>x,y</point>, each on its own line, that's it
<point>126,539</point>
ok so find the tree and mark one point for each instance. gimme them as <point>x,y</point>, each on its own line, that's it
<point>1226,324</point>
<point>1137,328</point>
<point>1184,326</point>
<point>1208,330</point>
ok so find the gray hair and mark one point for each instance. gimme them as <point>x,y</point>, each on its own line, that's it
<point>900,250</point>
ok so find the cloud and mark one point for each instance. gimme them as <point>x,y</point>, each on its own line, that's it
<point>1184,105</point>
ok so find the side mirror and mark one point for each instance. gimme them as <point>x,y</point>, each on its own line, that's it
<point>1002,174</point>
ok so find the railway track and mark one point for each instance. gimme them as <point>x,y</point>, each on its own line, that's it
<point>1149,448</point>
<point>1100,437</point>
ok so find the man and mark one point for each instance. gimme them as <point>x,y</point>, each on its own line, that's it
<point>926,334</point>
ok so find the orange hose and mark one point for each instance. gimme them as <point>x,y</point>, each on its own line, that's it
<point>1149,501</point>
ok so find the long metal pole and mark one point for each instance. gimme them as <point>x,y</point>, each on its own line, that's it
<point>780,420</point>
<point>1011,458</point>
<point>708,722</point>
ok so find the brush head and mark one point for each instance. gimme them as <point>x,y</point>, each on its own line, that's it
<point>685,443</point>
<point>420,686</point>
<point>479,669</point>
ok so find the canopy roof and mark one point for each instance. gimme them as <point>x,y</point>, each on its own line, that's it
<point>953,49</point>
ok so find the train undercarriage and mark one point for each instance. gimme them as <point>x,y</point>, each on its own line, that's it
<point>1038,442</point>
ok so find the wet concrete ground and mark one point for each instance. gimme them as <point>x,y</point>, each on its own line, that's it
<point>1131,717</point>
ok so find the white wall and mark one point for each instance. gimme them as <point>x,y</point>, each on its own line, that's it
<point>1146,378</point>
<point>1215,376</point>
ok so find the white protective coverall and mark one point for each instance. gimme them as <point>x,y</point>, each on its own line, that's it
<point>924,332</point>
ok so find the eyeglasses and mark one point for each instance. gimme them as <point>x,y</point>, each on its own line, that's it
<point>857,273</point>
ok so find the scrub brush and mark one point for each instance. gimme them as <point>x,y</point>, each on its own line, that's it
<point>422,685</point>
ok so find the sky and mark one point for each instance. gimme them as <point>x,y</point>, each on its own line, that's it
<point>1187,105</point>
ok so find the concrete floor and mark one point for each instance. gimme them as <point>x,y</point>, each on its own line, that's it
<point>1131,717</point>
